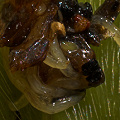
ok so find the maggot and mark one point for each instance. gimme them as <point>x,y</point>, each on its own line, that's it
<point>47,57</point>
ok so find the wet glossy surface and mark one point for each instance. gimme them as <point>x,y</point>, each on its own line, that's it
<point>51,91</point>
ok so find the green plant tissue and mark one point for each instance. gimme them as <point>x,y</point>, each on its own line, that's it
<point>100,103</point>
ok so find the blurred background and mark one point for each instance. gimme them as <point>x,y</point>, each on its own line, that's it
<point>100,103</point>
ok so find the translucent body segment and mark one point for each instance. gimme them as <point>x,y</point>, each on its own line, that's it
<point>95,34</point>
<point>55,96</point>
<point>55,57</point>
<point>111,29</point>
<point>53,66</point>
<point>80,57</point>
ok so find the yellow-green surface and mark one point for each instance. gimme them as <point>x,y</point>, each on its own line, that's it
<point>101,103</point>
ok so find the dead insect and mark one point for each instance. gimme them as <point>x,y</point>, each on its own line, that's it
<point>47,43</point>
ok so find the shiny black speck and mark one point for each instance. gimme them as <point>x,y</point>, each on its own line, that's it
<point>94,73</point>
<point>89,67</point>
<point>95,77</point>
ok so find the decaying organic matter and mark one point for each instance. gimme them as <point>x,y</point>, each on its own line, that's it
<point>47,45</point>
